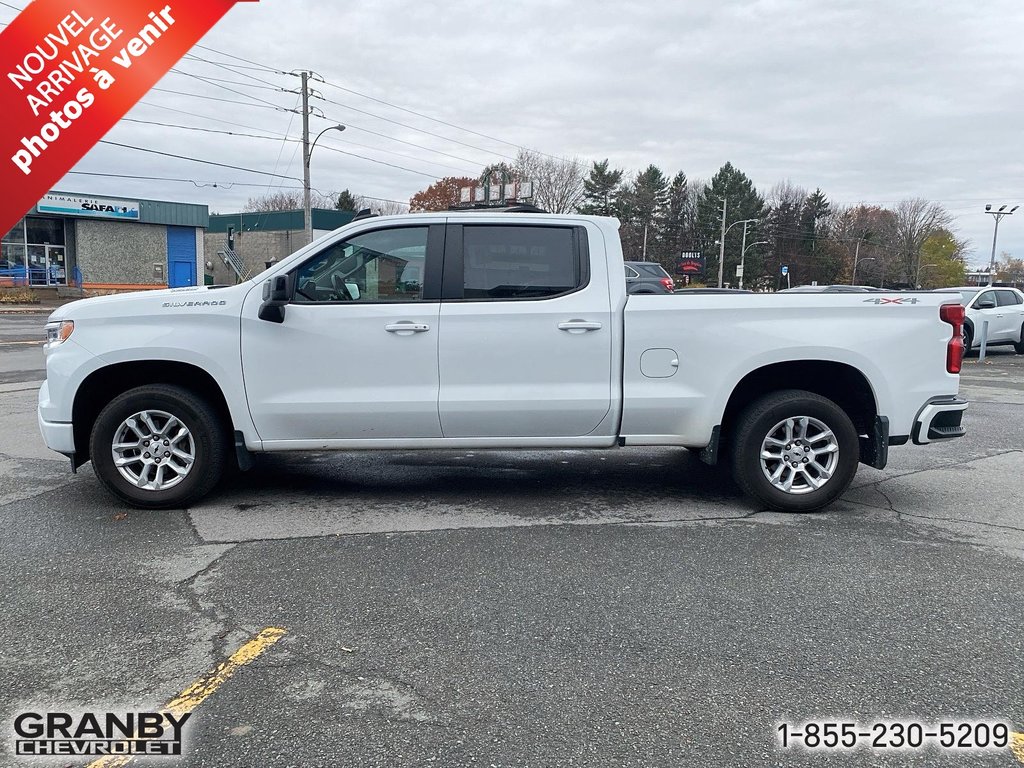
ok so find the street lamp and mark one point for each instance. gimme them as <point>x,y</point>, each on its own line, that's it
<point>743,257</point>
<point>721,250</point>
<point>998,216</point>
<point>307,152</point>
<point>853,280</point>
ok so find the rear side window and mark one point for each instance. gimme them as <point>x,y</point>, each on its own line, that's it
<point>1007,298</point>
<point>519,262</point>
<point>652,269</point>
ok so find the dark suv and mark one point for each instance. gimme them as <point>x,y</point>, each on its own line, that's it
<point>647,277</point>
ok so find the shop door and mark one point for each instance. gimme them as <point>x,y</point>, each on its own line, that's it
<point>37,265</point>
<point>56,265</point>
<point>181,256</point>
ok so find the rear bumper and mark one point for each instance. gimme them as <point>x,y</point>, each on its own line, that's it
<point>939,419</point>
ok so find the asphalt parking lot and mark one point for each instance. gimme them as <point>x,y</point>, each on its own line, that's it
<point>521,609</point>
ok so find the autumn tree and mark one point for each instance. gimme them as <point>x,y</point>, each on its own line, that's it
<point>942,257</point>
<point>286,200</point>
<point>441,195</point>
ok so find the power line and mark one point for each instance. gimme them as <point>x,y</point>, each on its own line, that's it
<point>264,105</point>
<point>436,119</point>
<point>284,138</point>
<point>195,159</point>
<point>414,128</point>
<point>214,80</point>
<point>218,184</point>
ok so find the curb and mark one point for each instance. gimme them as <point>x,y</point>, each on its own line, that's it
<point>25,310</point>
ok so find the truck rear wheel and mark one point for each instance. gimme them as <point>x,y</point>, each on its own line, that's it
<point>795,451</point>
<point>158,446</point>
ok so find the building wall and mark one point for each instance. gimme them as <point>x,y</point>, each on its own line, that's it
<point>117,254</point>
<point>254,248</point>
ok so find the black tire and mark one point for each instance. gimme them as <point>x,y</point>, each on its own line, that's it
<point>757,423</point>
<point>1018,346</point>
<point>968,339</point>
<point>208,442</point>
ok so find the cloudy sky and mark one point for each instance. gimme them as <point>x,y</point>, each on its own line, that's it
<point>871,101</point>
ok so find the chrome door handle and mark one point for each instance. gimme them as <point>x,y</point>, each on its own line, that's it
<point>406,327</point>
<point>578,326</point>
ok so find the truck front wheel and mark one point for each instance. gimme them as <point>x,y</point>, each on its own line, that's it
<point>158,446</point>
<point>795,451</point>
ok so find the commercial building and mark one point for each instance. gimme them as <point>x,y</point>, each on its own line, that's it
<point>104,244</point>
<point>238,245</point>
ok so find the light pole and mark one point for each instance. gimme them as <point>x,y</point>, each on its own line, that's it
<point>998,216</point>
<point>307,153</point>
<point>743,256</point>
<point>721,250</point>
<point>853,280</point>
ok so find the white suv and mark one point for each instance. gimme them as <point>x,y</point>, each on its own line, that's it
<point>1002,308</point>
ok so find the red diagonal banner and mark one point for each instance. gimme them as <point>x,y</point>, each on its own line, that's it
<point>70,69</point>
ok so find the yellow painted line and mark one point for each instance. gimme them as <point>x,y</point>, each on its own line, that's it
<point>1017,746</point>
<point>206,686</point>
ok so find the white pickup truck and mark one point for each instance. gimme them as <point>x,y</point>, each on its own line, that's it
<point>492,330</point>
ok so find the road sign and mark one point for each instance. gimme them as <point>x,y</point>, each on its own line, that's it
<point>739,271</point>
<point>785,269</point>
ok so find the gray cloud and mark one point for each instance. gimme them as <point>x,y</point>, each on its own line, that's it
<point>871,101</point>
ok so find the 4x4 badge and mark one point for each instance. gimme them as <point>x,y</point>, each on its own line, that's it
<point>899,300</point>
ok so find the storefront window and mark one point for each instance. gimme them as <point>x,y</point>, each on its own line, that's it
<point>12,256</point>
<point>45,231</point>
<point>17,234</point>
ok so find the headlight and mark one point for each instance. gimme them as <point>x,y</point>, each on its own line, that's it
<point>59,332</point>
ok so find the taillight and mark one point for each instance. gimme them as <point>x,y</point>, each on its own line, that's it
<point>954,315</point>
<point>668,283</point>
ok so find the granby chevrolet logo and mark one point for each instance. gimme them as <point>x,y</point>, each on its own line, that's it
<point>886,300</point>
<point>90,733</point>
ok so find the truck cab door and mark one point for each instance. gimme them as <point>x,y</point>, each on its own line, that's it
<point>526,332</point>
<point>355,355</point>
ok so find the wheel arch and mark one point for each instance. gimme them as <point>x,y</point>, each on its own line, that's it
<point>104,384</point>
<point>841,383</point>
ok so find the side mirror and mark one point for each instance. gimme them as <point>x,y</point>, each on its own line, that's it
<point>987,304</point>
<point>277,292</point>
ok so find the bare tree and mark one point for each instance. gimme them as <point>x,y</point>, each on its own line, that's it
<point>381,207</point>
<point>287,200</point>
<point>557,183</point>
<point>915,220</point>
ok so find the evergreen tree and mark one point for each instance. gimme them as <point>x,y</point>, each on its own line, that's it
<point>599,190</point>
<point>677,233</point>
<point>347,202</point>
<point>744,202</point>
<point>642,207</point>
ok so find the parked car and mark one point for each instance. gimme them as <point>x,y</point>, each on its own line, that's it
<point>647,277</point>
<point>831,289</point>
<point>519,333</point>
<point>1003,308</point>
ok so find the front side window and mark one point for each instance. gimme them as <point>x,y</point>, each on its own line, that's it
<point>381,266</point>
<point>987,296</point>
<point>519,262</point>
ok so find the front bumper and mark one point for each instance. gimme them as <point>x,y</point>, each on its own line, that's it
<point>940,419</point>
<point>59,436</point>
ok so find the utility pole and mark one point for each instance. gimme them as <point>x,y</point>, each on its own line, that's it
<point>307,220</point>
<point>856,257</point>
<point>721,243</point>
<point>645,243</point>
